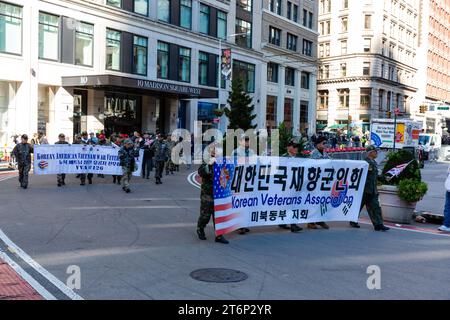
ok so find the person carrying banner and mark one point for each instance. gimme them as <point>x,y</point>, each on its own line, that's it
<point>102,142</point>
<point>292,152</point>
<point>206,172</point>
<point>117,143</point>
<point>22,152</point>
<point>61,177</point>
<point>319,153</point>
<point>370,196</point>
<point>127,162</point>
<point>86,141</point>
<point>147,162</point>
<point>161,152</point>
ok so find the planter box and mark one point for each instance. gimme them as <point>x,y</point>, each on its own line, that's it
<point>395,209</point>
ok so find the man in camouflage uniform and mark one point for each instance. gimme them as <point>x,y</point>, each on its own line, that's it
<point>161,155</point>
<point>170,167</point>
<point>292,152</point>
<point>206,172</point>
<point>61,177</point>
<point>370,197</point>
<point>127,162</point>
<point>319,153</point>
<point>22,152</point>
<point>86,141</point>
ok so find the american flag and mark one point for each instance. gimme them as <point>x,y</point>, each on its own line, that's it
<point>226,218</point>
<point>397,170</point>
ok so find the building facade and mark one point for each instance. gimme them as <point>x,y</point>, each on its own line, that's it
<point>433,96</point>
<point>122,65</point>
<point>367,53</point>
<point>289,44</point>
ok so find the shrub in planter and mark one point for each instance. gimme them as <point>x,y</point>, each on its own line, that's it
<point>411,190</point>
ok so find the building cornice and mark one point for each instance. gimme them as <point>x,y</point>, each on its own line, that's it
<point>368,79</point>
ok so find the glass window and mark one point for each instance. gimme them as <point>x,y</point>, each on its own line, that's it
<point>244,4</point>
<point>10,28</point>
<point>366,68</point>
<point>113,49</point>
<point>140,55</point>
<point>295,13</point>
<point>84,44</point>
<point>272,72</point>
<point>323,99</point>
<point>245,72</point>
<point>367,44</point>
<point>289,10</point>
<point>271,112</point>
<point>344,4</point>
<point>344,47</point>
<point>310,21</point>
<point>344,24</point>
<point>365,97</point>
<point>344,98</point>
<point>141,7</point>
<point>367,21</point>
<point>203,68</point>
<point>186,14</point>
<point>115,3</point>
<point>244,40</point>
<point>164,10</point>
<point>305,80</point>
<point>307,47</point>
<point>204,19</point>
<point>278,7</point>
<point>291,43</point>
<point>343,69</point>
<point>163,60</point>
<point>221,25</point>
<point>274,36</point>
<point>289,77</point>
<point>184,64</point>
<point>305,17</point>
<point>48,36</point>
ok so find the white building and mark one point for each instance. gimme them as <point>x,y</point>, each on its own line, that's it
<point>367,52</point>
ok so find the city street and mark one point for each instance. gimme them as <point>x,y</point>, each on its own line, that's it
<point>143,245</point>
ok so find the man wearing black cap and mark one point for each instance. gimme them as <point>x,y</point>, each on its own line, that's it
<point>22,152</point>
<point>370,197</point>
<point>319,153</point>
<point>292,152</point>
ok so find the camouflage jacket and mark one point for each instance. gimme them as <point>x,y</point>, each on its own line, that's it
<point>372,177</point>
<point>315,154</point>
<point>22,152</point>
<point>126,157</point>
<point>207,174</point>
<point>161,150</point>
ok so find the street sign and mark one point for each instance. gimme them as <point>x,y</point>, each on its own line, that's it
<point>397,111</point>
<point>443,108</point>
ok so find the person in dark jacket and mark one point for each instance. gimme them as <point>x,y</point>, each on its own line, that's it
<point>117,143</point>
<point>86,141</point>
<point>22,152</point>
<point>147,162</point>
<point>127,162</point>
<point>161,151</point>
<point>62,176</point>
<point>102,142</point>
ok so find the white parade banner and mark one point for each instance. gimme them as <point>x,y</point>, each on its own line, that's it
<point>77,158</point>
<point>274,191</point>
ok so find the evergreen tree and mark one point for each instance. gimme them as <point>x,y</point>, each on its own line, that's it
<point>240,114</point>
<point>285,136</point>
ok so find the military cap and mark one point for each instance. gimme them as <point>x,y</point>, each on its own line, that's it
<point>371,148</point>
<point>128,141</point>
<point>294,142</point>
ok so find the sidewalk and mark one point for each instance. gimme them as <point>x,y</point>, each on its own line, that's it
<point>13,287</point>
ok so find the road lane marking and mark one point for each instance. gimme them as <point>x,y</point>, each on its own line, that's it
<point>37,267</point>
<point>192,181</point>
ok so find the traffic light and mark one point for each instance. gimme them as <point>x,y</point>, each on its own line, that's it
<point>388,114</point>
<point>423,108</point>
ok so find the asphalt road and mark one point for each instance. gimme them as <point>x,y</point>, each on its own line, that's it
<point>143,245</point>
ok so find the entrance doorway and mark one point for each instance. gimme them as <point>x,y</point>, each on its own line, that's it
<point>123,113</point>
<point>79,111</point>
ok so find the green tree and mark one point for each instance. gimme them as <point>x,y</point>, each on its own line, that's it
<point>285,136</point>
<point>240,114</point>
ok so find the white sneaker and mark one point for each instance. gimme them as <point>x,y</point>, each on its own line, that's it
<point>444,228</point>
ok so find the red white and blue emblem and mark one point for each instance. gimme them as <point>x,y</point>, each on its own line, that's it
<point>43,164</point>
<point>338,193</point>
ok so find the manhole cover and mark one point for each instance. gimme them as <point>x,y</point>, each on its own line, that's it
<point>218,275</point>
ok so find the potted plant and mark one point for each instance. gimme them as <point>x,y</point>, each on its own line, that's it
<point>400,193</point>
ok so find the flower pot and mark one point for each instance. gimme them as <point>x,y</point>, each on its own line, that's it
<point>395,209</point>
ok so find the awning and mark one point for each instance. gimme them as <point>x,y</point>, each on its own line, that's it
<point>337,126</point>
<point>137,86</point>
<point>321,126</point>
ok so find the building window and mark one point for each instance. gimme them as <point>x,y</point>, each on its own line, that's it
<point>115,3</point>
<point>245,4</point>
<point>321,51</point>
<point>140,55</point>
<point>380,99</point>
<point>344,24</point>
<point>367,21</point>
<point>291,43</point>
<point>246,73</point>
<point>163,60</point>
<point>275,6</point>
<point>305,17</point>
<point>186,14</point>
<point>113,49</point>
<point>271,112</point>
<point>204,19</point>
<point>288,113</point>
<point>365,99</point>
<point>367,44</point>
<point>366,68</point>
<point>164,10</point>
<point>244,40</point>
<point>10,28</point>
<point>310,20</point>
<point>272,72</point>
<point>327,49</point>
<point>84,44</point>
<point>326,71</point>
<point>141,7</point>
<point>295,13</point>
<point>343,69</point>
<point>343,46</point>
<point>289,77</point>
<point>274,36</point>
<point>221,25</point>
<point>48,36</point>
<point>203,68</point>
<point>289,10</point>
<point>323,99</point>
<point>184,64</point>
<point>344,98</point>
<point>305,80</point>
<point>307,47</point>
<point>344,4</point>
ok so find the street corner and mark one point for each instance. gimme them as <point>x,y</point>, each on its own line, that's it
<point>13,286</point>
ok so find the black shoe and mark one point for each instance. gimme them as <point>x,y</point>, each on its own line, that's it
<point>127,190</point>
<point>59,184</point>
<point>222,239</point>
<point>90,181</point>
<point>82,184</point>
<point>354,225</point>
<point>201,234</point>
<point>284,226</point>
<point>381,228</point>
<point>25,187</point>
<point>323,225</point>
<point>78,176</point>
<point>114,179</point>
<point>63,183</point>
<point>148,178</point>
<point>295,228</point>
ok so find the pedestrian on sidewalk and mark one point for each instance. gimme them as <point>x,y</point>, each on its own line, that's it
<point>127,162</point>
<point>446,226</point>
<point>62,176</point>
<point>370,196</point>
<point>207,198</point>
<point>161,152</point>
<point>22,152</point>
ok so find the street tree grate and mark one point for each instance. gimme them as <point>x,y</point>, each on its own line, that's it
<point>218,275</point>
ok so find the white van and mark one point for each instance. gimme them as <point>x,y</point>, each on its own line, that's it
<point>431,144</point>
